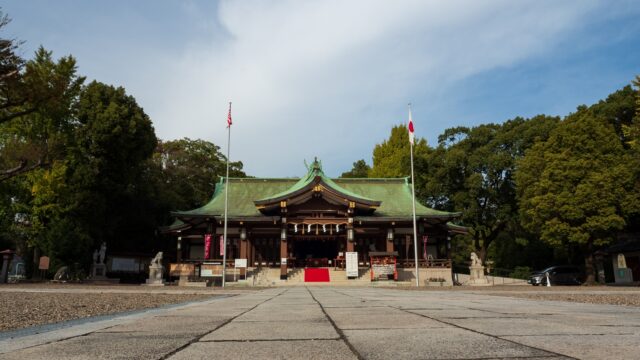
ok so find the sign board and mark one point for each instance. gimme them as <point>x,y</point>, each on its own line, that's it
<point>382,269</point>
<point>210,270</point>
<point>124,264</point>
<point>352,264</point>
<point>283,261</point>
<point>44,263</point>
<point>240,263</point>
<point>182,269</point>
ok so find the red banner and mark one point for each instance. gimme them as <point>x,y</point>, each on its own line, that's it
<point>221,245</point>
<point>207,245</point>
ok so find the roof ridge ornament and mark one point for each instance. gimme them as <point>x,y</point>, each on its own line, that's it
<point>316,165</point>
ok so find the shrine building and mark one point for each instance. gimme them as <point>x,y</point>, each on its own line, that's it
<point>284,225</point>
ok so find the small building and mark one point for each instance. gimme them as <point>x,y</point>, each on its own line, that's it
<point>313,221</point>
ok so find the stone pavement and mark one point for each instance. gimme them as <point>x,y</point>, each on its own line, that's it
<point>349,323</point>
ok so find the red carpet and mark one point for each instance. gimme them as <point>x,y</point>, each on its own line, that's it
<point>316,275</point>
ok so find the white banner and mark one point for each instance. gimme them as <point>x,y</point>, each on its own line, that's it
<point>241,263</point>
<point>352,264</point>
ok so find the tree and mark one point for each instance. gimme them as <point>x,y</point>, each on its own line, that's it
<point>38,114</point>
<point>472,171</point>
<point>11,65</point>
<point>360,170</point>
<point>573,187</point>
<point>392,157</point>
<point>114,140</point>
<point>189,170</point>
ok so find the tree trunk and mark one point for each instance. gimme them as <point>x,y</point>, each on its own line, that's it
<point>589,269</point>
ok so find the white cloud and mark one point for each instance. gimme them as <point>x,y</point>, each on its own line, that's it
<point>329,78</point>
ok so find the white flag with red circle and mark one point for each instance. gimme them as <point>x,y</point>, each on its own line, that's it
<point>410,127</point>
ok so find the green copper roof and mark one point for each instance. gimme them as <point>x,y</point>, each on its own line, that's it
<point>314,176</point>
<point>394,194</point>
<point>242,193</point>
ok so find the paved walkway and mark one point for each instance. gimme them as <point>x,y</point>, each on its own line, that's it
<point>346,323</point>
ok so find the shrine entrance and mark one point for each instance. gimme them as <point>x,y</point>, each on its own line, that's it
<point>316,251</point>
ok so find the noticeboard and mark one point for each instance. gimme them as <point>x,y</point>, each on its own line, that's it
<point>182,269</point>
<point>210,270</point>
<point>351,259</point>
<point>44,263</point>
<point>240,263</point>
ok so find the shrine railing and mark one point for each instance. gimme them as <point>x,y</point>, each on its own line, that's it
<point>434,263</point>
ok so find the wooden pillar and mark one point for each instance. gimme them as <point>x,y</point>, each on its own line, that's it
<point>351,237</point>
<point>244,248</point>
<point>350,246</point>
<point>390,247</point>
<point>407,247</point>
<point>389,240</point>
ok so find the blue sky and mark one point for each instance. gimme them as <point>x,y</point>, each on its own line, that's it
<point>330,78</point>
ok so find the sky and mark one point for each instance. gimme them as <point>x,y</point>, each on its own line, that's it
<point>330,78</point>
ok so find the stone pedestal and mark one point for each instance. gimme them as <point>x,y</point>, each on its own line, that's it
<point>6,259</point>
<point>155,275</point>
<point>98,271</point>
<point>477,277</point>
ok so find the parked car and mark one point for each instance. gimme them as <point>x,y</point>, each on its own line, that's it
<point>558,275</point>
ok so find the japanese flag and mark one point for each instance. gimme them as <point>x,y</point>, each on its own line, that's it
<point>410,127</point>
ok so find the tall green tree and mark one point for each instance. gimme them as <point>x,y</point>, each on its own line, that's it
<point>392,158</point>
<point>360,170</point>
<point>35,133</point>
<point>189,170</point>
<point>472,171</point>
<point>114,140</point>
<point>575,188</point>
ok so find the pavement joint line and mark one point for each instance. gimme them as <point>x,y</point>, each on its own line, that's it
<point>197,338</point>
<point>506,357</point>
<point>269,340</point>
<point>490,335</point>
<point>534,335</point>
<point>396,328</point>
<point>12,335</point>
<point>343,337</point>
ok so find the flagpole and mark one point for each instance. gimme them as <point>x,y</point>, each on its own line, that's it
<point>413,198</point>
<point>226,204</point>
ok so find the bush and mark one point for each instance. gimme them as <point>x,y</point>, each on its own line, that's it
<point>520,272</point>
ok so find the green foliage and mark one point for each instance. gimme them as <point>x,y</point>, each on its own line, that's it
<point>520,272</point>
<point>472,171</point>
<point>189,170</point>
<point>577,187</point>
<point>360,170</point>
<point>392,158</point>
<point>37,137</point>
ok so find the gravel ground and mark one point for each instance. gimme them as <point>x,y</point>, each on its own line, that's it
<point>617,298</point>
<point>611,295</point>
<point>24,309</point>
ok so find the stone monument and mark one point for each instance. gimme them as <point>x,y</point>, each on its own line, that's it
<point>98,267</point>
<point>156,271</point>
<point>476,272</point>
